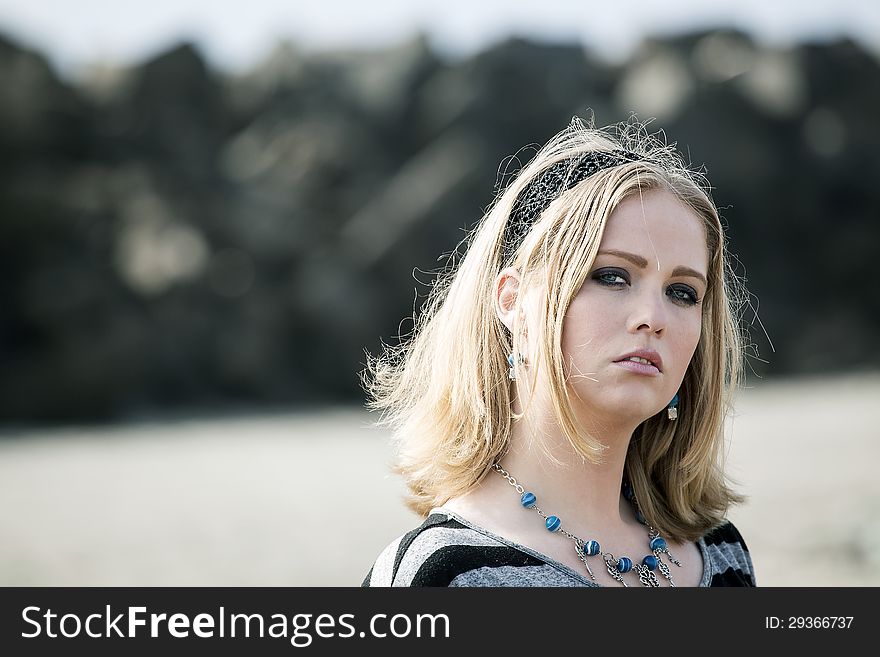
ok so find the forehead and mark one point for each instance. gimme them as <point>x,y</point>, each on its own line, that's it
<point>658,226</point>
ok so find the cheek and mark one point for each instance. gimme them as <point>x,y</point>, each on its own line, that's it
<point>585,335</point>
<point>687,344</point>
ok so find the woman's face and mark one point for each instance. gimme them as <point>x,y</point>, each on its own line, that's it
<point>641,301</point>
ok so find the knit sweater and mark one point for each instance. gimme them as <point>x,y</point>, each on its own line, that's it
<point>447,550</point>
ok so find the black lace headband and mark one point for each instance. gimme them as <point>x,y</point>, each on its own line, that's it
<point>550,185</point>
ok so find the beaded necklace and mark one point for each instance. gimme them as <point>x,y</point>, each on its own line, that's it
<point>615,566</point>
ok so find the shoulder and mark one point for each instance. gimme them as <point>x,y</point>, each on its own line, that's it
<point>729,561</point>
<point>445,552</point>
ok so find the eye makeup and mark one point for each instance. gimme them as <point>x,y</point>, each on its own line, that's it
<point>616,278</point>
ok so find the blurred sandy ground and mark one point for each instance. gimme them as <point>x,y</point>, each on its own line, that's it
<point>306,499</point>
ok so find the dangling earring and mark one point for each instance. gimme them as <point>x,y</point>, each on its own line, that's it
<point>672,409</point>
<point>512,361</point>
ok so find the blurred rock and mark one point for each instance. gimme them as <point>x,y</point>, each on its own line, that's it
<point>175,238</point>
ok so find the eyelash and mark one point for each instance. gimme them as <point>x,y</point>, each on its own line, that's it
<point>674,292</point>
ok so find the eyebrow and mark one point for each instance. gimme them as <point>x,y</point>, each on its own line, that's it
<point>641,263</point>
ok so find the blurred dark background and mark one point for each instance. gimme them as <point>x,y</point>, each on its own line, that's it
<point>175,237</point>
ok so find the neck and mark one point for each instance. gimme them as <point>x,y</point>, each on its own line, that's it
<point>582,493</point>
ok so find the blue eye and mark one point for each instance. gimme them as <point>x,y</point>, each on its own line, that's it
<point>611,277</point>
<point>683,295</point>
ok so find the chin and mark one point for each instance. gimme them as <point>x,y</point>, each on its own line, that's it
<point>634,406</point>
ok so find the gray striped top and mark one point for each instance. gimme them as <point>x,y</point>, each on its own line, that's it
<point>447,550</point>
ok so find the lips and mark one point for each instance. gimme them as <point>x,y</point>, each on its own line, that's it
<point>643,358</point>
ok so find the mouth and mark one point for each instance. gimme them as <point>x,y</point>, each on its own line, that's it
<point>642,362</point>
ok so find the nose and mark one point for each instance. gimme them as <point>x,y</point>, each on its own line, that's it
<point>649,313</point>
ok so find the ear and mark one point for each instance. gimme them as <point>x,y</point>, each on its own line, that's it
<point>507,287</point>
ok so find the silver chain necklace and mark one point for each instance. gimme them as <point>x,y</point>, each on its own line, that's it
<point>616,566</point>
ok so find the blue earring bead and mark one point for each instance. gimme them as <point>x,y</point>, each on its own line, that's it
<point>553,524</point>
<point>624,564</point>
<point>672,408</point>
<point>529,500</point>
<point>591,548</point>
<point>657,543</point>
<point>512,360</point>
<point>650,562</point>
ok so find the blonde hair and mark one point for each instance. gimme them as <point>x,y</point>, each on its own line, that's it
<point>445,391</point>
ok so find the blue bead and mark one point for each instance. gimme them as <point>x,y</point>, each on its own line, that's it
<point>674,402</point>
<point>553,523</point>
<point>529,500</point>
<point>650,561</point>
<point>624,564</point>
<point>591,548</point>
<point>657,544</point>
<point>510,359</point>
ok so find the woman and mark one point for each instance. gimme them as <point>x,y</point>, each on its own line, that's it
<point>558,412</point>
